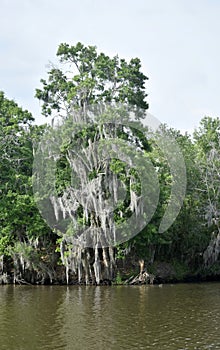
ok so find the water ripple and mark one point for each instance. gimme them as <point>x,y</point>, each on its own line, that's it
<point>113,318</point>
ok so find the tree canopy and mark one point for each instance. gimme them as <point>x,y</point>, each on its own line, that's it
<point>86,76</point>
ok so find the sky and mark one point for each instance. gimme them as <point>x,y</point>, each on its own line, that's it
<point>178,42</point>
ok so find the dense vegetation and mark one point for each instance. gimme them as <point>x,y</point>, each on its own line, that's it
<point>33,252</point>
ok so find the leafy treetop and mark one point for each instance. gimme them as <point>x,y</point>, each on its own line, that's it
<point>87,76</point>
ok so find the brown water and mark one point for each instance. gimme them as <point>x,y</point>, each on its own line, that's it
<point>183,316</point>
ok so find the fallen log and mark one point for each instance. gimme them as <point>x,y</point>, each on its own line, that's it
<point>142,278</point>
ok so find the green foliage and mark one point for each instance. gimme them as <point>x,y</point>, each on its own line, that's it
<point>91,77</point>
<point>181,270</point>
<point>118,278</point>
<point>20,220</point>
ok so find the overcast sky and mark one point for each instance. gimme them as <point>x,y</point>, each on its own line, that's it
<point>178,42</point>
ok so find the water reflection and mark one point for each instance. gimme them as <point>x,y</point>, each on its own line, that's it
<point>29,317</point>
<point>146,317</point>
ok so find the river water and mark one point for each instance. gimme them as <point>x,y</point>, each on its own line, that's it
<point>181,316</point>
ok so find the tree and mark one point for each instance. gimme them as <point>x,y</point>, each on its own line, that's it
<point>86,77</point>
<point>182,241</point>
<point>22,228</point>
<point>91,79</point>
<point>187,240</point>
<point>207,139</point>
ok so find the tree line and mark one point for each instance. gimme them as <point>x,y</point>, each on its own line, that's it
<point>31,251</point>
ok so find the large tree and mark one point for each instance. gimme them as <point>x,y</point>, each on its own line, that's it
<point>86,78</point>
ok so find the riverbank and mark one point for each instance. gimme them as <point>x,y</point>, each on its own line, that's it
<point>166,272</point>
<point>126,272</point>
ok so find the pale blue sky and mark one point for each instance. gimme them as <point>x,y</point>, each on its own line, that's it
<point>178,42</point>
